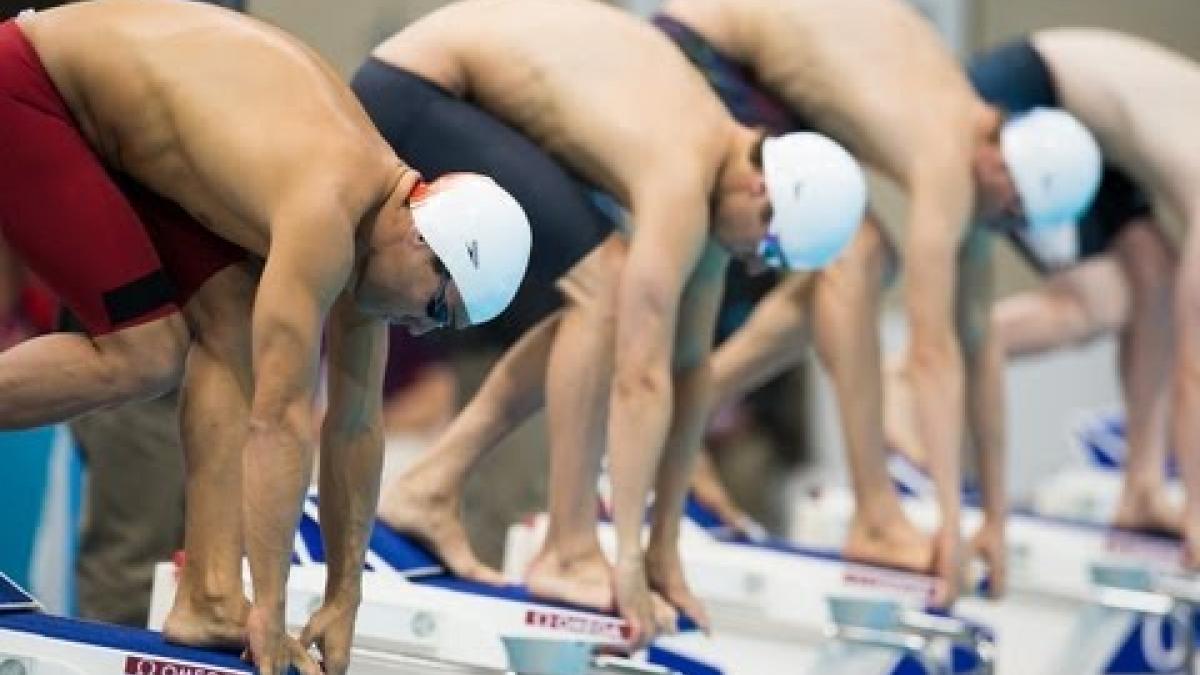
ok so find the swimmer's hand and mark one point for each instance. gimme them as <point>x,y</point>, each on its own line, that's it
<point>664,571</point>
<point>331,630</point>
<point>988,545</point>
<point>947,567</point>
<point>633,600</point>
<point>270,649</point>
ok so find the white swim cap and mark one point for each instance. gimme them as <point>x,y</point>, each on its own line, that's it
<point>1055,164</point>
<point>480,233</point>
<point>818,194</point>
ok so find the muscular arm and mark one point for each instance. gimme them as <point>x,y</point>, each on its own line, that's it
<point>309,263</point>
<point>985,401</point>
<point>939,207</point>
<point>984,369</point>
<point>692,398</point>
<point>689,412</point>
<point>984,360</point>
<point>351,461</point>
<point>351,444</point>
<point>669,237</point>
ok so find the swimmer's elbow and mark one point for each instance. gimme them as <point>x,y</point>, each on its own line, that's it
<point>940,355</point>
<point>641,384</point>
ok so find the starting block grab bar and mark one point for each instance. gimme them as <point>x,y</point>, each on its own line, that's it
<point>928,638</point>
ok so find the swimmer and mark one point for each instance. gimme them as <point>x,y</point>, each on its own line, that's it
<point>876,77</point>
<point>626,357</point>
<point>195,184</point>
<point>1118,278</point>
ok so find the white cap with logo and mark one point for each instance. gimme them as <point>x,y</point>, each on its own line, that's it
<point>1056,166</point>
<point>481,234</point>
<point>818,194</point>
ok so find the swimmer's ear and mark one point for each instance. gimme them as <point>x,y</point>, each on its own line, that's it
<point>416,239</point>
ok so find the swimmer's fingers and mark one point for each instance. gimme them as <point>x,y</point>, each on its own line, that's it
<point>947,568</point>
<point>331,630</point>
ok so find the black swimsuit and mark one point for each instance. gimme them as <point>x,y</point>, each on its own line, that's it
<point>438,133</point>
<point>1015,78</point>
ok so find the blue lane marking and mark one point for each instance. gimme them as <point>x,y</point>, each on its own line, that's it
<point>118,638</point>
<point>400,552</point>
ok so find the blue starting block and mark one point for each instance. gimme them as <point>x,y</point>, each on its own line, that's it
<point>33,643</point>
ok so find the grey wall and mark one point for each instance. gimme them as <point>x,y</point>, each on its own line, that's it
<point>346,31</point>
<point>1172,22</point>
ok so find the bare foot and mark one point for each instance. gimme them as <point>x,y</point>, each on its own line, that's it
<point>899,545</point>
<point>434,521</point>
<point>900,415</point>
<point>585,579</point>
<point>1148,510</point>
<point>710,492</point>
<point>219,625</point>
<point>664,571</point>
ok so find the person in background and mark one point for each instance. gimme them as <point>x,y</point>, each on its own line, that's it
<point>629,349</point>
<point>853,71</point>
<point>1117,278</point>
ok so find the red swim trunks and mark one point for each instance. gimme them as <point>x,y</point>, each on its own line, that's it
<point>117,254</point>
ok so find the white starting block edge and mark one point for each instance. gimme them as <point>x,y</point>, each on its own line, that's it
<point>1047,555</point>
<point>768,602</point>
<point>448,621</point>
<point>49,645</point>
<point>772,589</point>
<point>41,644</point>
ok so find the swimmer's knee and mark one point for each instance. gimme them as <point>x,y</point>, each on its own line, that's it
<point>872,255</point>
<point>226,298</point>
<point>1084,322</point>
<point>1149,267</point>
<point>144,361</point>
<point>593,281</point>
<point>501,404</point>
<point>884,257</point>
<point>592,300</point>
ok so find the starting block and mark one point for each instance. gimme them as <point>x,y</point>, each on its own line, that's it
<point>414,615</point>
<point>1088,485</point>
<point>927,638</point>
<point>769,604</point>
<point>1056,617</point>
<point>446,625</point>
<point>1151,616</point>
<point>33,643</point>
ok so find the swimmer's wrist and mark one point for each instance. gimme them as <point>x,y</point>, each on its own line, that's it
<point>346,592</point>
<point>663,539</point>
<point>993,521</point>
<point>661,553</point>
<point>631,557</point>
<point>271,604</point>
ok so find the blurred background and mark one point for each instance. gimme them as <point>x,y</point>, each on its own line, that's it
<point>787,433</point>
